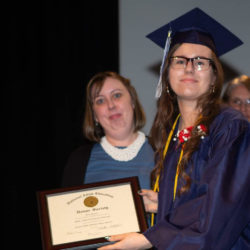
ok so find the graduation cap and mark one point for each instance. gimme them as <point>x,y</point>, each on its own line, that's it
<point>194,27</point>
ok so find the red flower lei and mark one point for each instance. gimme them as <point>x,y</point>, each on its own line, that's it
<point>185,134</point>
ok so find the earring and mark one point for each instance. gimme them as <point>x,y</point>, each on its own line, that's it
<point>213,89</point>
<point>167,89</point>
<point>96,124</point>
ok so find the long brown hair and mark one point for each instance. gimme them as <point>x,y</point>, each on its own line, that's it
<point>93,131</point>
<point>167,111</point>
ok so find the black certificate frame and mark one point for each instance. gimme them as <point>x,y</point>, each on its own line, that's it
<point>44,213</point>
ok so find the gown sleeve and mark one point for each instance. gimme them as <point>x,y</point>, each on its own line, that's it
<point>215,213</point>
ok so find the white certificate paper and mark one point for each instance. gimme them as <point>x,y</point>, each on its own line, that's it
<point>92,213</point>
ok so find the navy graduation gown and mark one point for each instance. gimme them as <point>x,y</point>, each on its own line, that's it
<point>215,213</point>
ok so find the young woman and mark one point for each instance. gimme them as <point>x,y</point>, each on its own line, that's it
<point>116,148</point>
<point>202,174</point>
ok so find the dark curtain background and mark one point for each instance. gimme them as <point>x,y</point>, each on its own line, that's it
<point>54,47</point>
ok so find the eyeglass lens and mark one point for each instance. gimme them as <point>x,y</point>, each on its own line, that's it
<point>197,62</point>
<point>238,102</point>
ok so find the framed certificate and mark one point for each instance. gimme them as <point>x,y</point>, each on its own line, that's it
<point>80,217</point>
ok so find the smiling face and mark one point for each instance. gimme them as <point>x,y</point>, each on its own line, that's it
<point>113,109</point>
<point>189,84</point>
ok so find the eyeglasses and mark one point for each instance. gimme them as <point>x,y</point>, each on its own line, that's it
<point>199,63</point>
<point>236,102</point>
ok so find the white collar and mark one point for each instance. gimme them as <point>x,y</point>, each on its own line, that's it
<point>124,154</point>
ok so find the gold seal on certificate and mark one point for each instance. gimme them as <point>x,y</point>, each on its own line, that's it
<point>90,201</point>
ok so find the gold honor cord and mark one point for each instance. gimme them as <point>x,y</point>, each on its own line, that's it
<point>156,186</point>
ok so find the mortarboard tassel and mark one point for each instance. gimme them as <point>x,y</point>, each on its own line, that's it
<point>166,49</point>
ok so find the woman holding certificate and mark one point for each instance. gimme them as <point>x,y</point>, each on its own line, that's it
<point>117,148</point>
<point>202,174</point>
